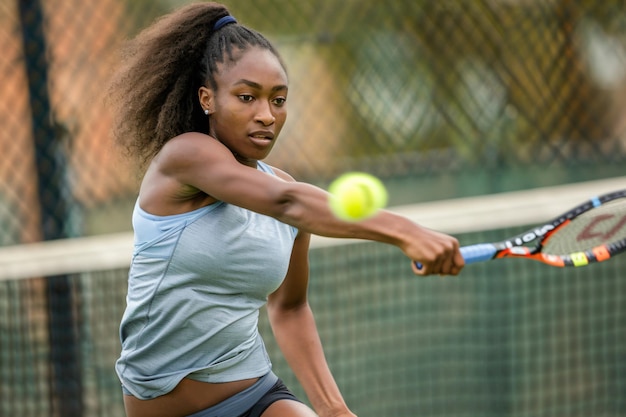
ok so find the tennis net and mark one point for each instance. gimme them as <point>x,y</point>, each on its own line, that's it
<point>510,338</point>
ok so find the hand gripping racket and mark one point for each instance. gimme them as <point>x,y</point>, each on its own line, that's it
<point>593,231</point>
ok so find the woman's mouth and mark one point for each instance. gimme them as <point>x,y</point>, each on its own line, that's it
<point>262,138</point>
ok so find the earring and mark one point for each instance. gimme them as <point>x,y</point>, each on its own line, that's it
<point>206,111</point>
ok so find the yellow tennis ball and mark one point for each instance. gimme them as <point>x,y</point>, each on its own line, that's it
<point>356,196</point>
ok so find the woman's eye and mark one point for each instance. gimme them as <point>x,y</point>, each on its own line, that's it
<point>279,101</point>
<point>246,98</point>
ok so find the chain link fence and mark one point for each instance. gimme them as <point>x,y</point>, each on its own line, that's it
<point>440,98</point>
<point>411,90</point>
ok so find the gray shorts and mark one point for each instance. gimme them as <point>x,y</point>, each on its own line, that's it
<point>252,401</point>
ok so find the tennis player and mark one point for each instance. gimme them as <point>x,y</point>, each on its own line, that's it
<point>200,101</point>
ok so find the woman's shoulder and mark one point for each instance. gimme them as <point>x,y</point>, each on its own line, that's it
<point>281,174</point>
<point>191,146</point>
<point>190,139</point>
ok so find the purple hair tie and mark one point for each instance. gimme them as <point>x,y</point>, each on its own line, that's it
<point>223,22</point>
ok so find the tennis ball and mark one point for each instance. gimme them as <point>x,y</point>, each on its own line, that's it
<point>356,196</point>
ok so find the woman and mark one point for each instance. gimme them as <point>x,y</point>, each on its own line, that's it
<point>201,100</point>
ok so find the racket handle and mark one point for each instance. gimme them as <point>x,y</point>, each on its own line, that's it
<point>474,253</point>
<point>478,253</point>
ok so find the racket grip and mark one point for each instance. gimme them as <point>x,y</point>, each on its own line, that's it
<point>478,253</point>
<point>474,253</point>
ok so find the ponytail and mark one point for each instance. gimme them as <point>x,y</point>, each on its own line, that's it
<point>154,94</point>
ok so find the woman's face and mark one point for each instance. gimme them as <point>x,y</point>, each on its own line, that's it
<point>248,109</point>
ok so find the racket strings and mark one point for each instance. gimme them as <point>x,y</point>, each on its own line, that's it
<point>602,225</point>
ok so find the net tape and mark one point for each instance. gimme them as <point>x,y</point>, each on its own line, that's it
<point>454,216</point>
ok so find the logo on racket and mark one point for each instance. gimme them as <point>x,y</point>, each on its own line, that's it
<point>591,230</point>
<point>529,236</point>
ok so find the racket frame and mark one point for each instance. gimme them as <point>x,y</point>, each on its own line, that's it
<point>516,246</point>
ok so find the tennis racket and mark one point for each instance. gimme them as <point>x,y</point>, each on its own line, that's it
<point>593,231</point>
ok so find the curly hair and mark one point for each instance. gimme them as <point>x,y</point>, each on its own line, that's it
<point>154,93</point>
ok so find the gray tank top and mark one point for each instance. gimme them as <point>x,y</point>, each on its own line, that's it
<point>196,283</point>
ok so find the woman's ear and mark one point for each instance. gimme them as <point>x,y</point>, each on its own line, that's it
<point>206,97</point>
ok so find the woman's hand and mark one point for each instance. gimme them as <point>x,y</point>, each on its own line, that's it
<point>437,253</point>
